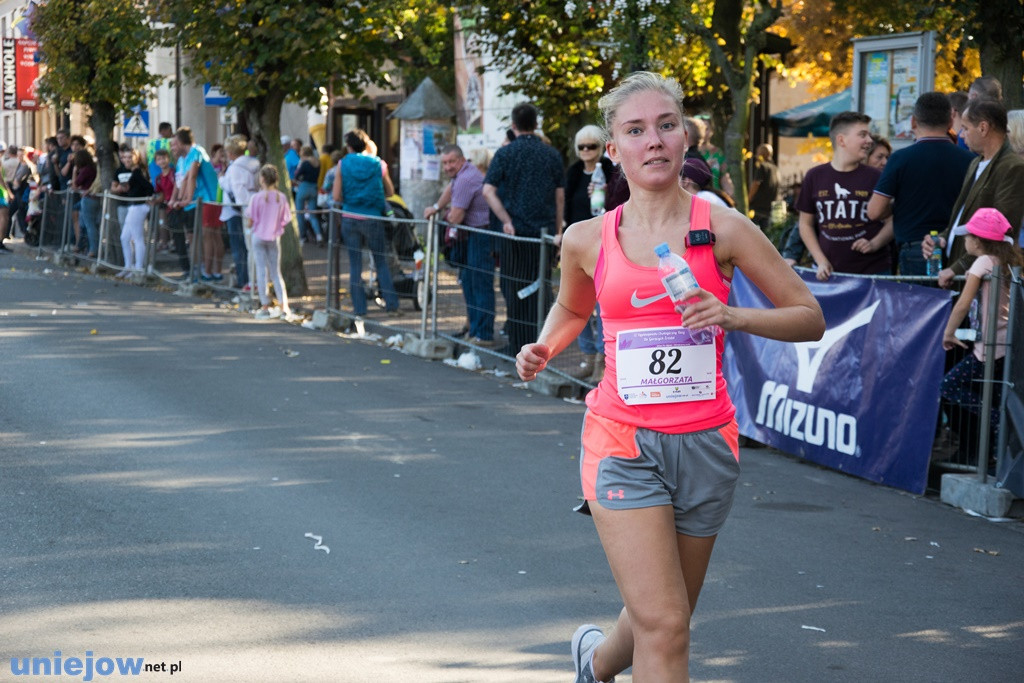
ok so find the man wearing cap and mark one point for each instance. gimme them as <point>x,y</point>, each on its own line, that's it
<point>994,179</point>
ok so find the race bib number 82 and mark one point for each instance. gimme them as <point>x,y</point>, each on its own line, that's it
<point>664,365</point>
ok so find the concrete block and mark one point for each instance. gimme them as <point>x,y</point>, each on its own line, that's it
<point>323,320</point>
<point>967,493</point>
<point>433,349</point>
<point>550,384</point>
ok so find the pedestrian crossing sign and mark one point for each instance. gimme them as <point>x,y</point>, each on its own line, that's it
<point>137,125</point>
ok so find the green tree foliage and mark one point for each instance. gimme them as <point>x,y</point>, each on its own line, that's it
<point>94,51</point>
<point>263,52</point>
<point>422,44</point>
<point>564,55</point>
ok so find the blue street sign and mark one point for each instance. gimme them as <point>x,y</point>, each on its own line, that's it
<point>137,125</point>
<point>214,96</point>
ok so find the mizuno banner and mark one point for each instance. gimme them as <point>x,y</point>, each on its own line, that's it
<point>864,399</point>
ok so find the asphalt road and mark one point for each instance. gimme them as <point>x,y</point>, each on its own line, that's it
<point>163,459</point>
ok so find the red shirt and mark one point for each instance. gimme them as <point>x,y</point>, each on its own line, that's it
<point>165,185</point>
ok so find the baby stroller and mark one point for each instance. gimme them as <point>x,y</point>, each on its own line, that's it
<point>405,259</point>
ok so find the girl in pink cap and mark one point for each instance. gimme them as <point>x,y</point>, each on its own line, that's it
<point>989,240</point>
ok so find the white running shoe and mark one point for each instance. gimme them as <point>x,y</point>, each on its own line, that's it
<point>584,642</point>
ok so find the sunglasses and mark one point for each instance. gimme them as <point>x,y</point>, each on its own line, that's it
<point>589,147</point>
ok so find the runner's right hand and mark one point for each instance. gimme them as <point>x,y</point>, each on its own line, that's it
<point>531,359</point>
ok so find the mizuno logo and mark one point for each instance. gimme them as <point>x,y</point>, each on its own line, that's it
<point>647,301</point>
<point>808,365</point>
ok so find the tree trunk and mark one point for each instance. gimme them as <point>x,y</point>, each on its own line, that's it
<point>101,120</point>
<point>1000,48</point>
<point>735,139</point>
<point>263,115</point>
<point>729,109</point>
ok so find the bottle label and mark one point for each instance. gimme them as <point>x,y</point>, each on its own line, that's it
<point>679,283</point>
<point>664,365</point>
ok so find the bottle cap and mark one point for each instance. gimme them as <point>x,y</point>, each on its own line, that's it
<point>662,249</point>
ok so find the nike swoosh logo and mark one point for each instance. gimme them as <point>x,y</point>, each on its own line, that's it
<point>640,303</point>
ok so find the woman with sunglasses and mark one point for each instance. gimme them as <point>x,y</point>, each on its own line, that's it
<point>578,181</point>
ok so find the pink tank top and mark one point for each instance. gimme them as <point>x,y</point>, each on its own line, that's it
<point>630,297</point>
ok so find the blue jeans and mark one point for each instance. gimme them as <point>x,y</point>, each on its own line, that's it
<point>367,233</point>
<point>912,262</point>
<point>239,254</point>
<point>591,339</point>
<point>476,275</point>
<point>89,217</point>
<point>305,200</point>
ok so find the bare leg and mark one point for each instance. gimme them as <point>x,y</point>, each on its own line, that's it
<point>659,586</point>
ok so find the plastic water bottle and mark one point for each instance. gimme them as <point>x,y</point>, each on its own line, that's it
<point>934,264</point>
<point>597,196</point>
<point>678,279</point>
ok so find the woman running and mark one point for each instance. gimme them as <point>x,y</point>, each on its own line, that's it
<point>658,474</point>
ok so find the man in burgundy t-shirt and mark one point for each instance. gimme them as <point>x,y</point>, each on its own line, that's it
<point>833,206</point>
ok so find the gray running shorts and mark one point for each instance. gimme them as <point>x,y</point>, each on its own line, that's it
<point>624,467</point>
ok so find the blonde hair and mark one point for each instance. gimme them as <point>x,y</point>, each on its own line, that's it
<point>1015,129</point>
<point>641,81</point>
<point>236,145</point>
<point>589,133</point>
<point>481,158</point>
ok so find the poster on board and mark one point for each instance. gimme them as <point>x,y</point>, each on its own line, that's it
<point>889,74</point>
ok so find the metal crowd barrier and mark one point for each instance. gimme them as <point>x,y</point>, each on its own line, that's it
<point>1010,445</point>
<point>522,275</point>
<point>407,254</point>
<point>521,271</point>
<point>54,222</point>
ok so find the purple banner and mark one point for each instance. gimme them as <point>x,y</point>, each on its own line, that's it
<point>864,399</point>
